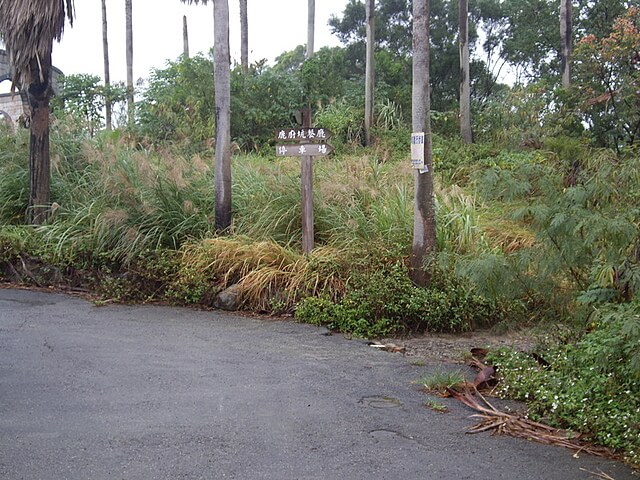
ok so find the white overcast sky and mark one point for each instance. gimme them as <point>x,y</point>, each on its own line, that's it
<point>275,26</point>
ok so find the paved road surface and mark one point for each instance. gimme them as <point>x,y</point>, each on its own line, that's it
<point>146,392</point>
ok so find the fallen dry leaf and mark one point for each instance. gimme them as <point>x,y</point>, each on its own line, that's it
<point>479,353</point>
<point>486,377</point>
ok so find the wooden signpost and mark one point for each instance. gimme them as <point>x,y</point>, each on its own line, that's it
<point>305,142</point>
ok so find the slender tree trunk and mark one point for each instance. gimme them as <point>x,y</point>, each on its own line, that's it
<point>369,72</point>
<point>465,82</point>
<point>424,219</point>
<point>222,78</point>
<point>39,94</point>
<point>129,47</point>
<point>107,78</point>
<point>244,37</point>
<point>185,37</point>
<point>566,36</point>
<point>311,25</point>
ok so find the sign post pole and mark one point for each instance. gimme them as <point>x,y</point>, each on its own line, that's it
<point>307,192</point>
<point>307,143</point>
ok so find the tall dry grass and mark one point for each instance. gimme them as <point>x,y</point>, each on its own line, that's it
<point>267,276</point>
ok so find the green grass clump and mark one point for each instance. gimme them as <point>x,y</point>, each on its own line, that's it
<point>117,203</point>
<point>14,176</point>
<point>440,380</point>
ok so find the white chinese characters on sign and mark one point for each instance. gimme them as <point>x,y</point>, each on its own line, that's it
<point>303,142</point>
<point>304,150</point>
<point>302,134</point>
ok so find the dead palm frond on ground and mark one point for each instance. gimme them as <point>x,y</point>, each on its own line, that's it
<point>503,423</point>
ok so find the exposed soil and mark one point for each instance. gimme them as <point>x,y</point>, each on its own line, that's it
<point>450,348</point>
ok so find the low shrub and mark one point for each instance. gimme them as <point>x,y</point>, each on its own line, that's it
<point>147,277</point>
<point>385,301</point>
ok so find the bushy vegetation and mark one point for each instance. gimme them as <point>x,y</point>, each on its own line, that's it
<point>384,302</point>
<point>589,384</point>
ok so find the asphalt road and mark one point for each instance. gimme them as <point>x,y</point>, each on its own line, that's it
<point>147,392</point>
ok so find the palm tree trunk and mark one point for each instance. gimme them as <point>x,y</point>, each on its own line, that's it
<point>222,79</point>
<point>465,82</point>
<point>566,36</point>
<point>311,25</point>
<point>185,37</point>
<point>369,72</point>
<point>107,78</point>
<point>424,219</point>
<point>129,47</point>
<point>39,93</point>
<point>244,37</point>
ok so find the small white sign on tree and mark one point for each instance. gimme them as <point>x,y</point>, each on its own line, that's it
<point>417,152</point>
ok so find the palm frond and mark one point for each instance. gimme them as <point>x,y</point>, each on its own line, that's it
<point>28,29</point>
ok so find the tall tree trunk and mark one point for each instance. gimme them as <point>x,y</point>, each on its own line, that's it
<point>465,82</point>
<point>107,78</point>
<point>222,79</point>
<point>244,37</point>
<point>39,93</point>
<point>369,71</point>
<point>129,47</point>
<point>311,25</point>
<point>185,37</point>
<point>566,36</point>
<point>424,219</point>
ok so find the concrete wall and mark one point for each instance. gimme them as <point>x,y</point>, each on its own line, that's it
<point>5,70</point>
<point>13,105</point>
